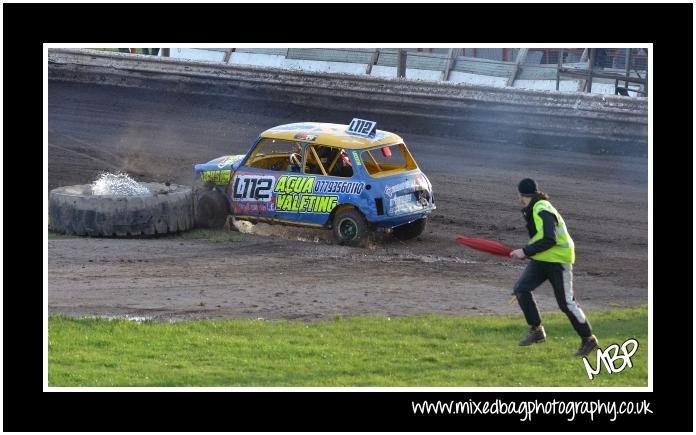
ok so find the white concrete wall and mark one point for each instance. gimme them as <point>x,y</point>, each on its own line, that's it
<point>383,71</point>
<point>267,60</point>
<point>196,54</point>
<point>323,66</point>
<point>273,61</point>
<point>564,85</point>
<point>602,88</point>
<point>476,79</point>
<point>423,74</point>
<point>389,72</point>
<point>549,85</point>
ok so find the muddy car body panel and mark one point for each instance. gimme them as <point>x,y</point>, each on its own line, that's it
<point>218,172</point>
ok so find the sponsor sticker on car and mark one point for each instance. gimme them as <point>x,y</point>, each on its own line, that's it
<point>306,137</point>
<point>253,188</point>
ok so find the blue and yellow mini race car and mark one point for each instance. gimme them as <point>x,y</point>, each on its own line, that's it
<point>351,178</point>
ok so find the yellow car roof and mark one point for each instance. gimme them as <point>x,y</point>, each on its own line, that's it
<point>330,134</point>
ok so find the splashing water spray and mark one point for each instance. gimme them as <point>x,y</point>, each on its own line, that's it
<point>118,185</point>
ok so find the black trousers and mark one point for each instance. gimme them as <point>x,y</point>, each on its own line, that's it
<point>561,278</point>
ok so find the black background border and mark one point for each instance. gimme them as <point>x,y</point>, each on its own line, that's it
<point>28,26</point>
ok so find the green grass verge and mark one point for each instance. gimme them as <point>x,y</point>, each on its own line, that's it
<point>361,351</point>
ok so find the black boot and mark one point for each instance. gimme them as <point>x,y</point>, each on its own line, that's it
<point>587,345</point>
<point>536,335</point>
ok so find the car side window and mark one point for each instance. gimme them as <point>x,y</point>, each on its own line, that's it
<point>388,159</point>
<point>326,160</point>
<point>344,167</point>
<point>316,159</point>
<point>276,155</point>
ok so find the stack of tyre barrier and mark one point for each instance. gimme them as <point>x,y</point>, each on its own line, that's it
<point>75,210</point>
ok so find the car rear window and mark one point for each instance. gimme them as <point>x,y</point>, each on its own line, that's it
<point>388,160</point>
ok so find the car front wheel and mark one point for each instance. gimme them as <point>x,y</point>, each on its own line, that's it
<point>349,227</point>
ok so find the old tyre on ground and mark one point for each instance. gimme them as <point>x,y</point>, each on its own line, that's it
<point>349,227</point>
<point>210,208</point>
<point>410,230</point>
<point>75,210</point>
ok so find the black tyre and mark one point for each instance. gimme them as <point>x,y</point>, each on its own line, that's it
<point>75,210</point>
<point>349,227</point>
<point>410,230</point>
<point>210,209</point>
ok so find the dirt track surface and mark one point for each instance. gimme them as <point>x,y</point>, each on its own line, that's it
<point>280,272</point>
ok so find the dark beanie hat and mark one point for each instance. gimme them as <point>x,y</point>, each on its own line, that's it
<point>528,187</point>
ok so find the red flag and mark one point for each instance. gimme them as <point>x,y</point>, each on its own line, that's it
<point>484,245</point>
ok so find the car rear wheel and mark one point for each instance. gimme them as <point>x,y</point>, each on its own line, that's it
<point>211,209</point>
<point>410,230</point>
<point>349,227</point>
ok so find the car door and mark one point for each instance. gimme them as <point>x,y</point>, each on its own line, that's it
<point>294,198</point>
<point>251,190</point>
<point>309,197</point>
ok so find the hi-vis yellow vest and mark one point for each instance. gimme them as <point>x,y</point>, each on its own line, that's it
<point>564,249</point>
